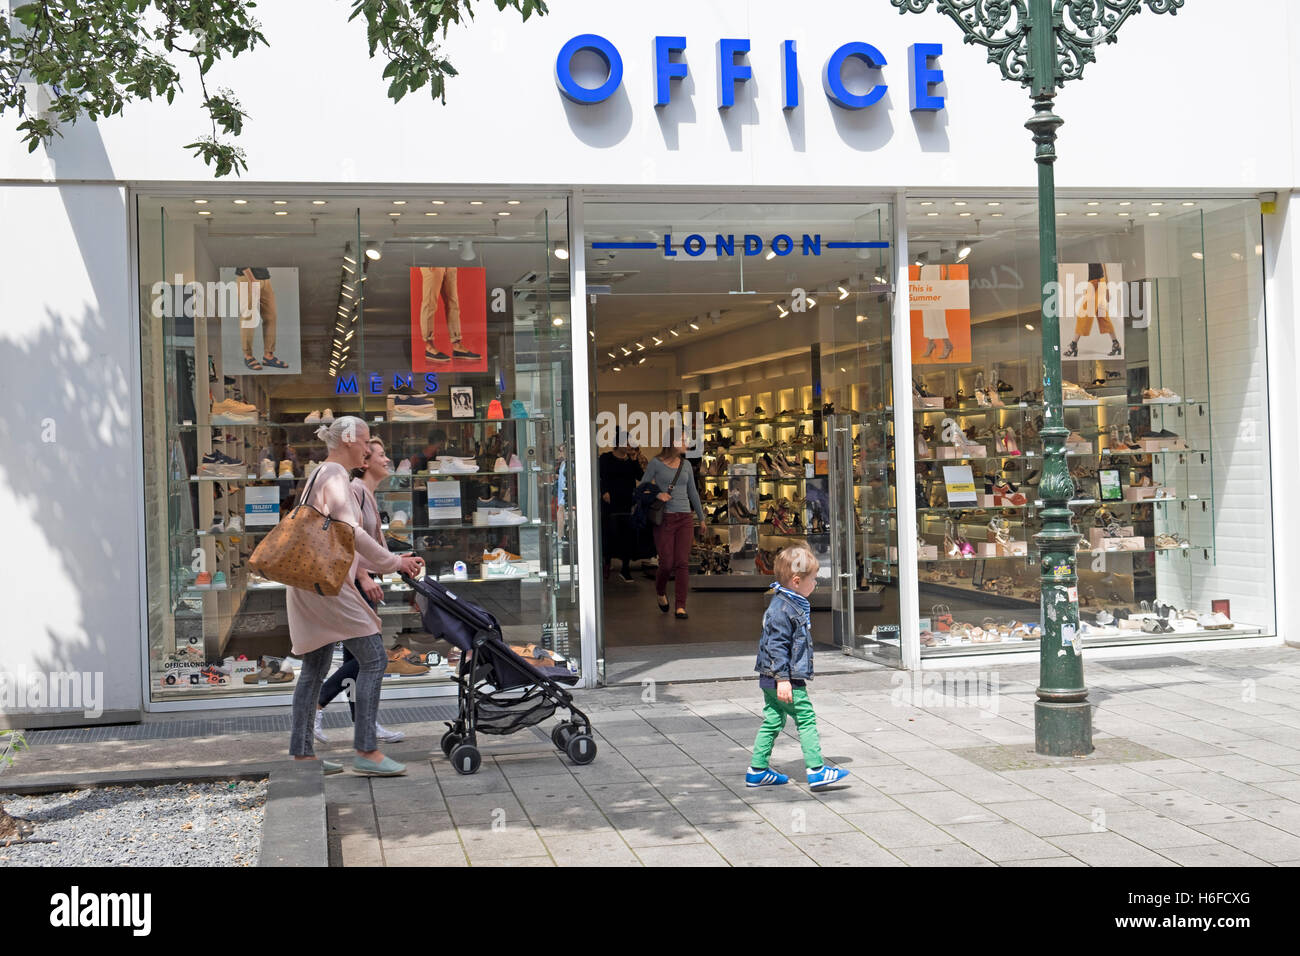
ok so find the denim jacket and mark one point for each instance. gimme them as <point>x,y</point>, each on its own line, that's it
<point>785,650</point>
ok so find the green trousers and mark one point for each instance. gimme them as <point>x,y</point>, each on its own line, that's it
<point>774,716</point>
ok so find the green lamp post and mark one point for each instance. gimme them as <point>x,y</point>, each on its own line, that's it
<point>1041,44</point>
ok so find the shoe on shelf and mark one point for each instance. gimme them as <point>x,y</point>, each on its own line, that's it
<point>503,569</point>
<point>217,465</point>
<point>413,408</point>
<point>231,412</point>
<point>457,466</point>
<point>286,469</point>
<point>1073,393</point>
<point>500,466</point>
<point>218,526</point>
<point>318,729</point>
<point>388,736</point>
<point>404,668</point>
<point>767,777</point>
<point>203,580</point>
<point>404,467</point>
<point>500,555</point>
<point>506,517</point>
<point>312,418</point>
<point>518,409</point>
<point>515,463</point>
<point>327,415</point>
<point>1218,621</point>
<point>267,469</point>
<point>825,775</point>
<point>219,580</point>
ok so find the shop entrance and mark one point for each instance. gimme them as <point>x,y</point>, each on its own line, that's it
<point>763,333</point>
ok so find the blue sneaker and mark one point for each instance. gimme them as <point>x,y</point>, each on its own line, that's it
<point>825,776</point>
<point>767,777</point>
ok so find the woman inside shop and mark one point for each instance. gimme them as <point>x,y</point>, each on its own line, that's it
<point>670,472</point>
<point>620,470</point>
<point>317,621</point>
<point>364,482</point>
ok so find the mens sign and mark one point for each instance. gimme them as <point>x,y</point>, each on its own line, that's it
<point>733,70</point>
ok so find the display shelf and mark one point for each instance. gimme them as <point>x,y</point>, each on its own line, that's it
<point>368,418</point>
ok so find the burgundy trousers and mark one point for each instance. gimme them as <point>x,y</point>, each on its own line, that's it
<point>673,542</point>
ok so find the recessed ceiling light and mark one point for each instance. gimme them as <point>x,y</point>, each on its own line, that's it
<point>394,214</point>
<point>963,214</point>
<point>1093,202</point>
<point>200,202</point>
<point>928,214</point>
<point>561,252</point>
<point>1157,204</point>
<point>240,202</point>
<point>996,215</point>
<point>1029,327</point>
<point>1189,204</point>
<point>437,202</point>
<point>281,212</point>
<point>1126,202</point>
<point>503,213</point>
<point>204,212</point>
<point>281,202</point>
<point>476,202</point>
<point>1198,255</point>
<point>1122,215</point>
<point>318,202</point>
<point>512,202</point>
<point>927,203</point>
<point>1060,214</point>
<point>399,202</point>
<point>1091,214</point>
<point>959,202</point>
<point>1153,214</point>
<point>993,204</point>
<point>431,214</point>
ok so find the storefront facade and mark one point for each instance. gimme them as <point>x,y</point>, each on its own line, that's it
<point>475,301</point>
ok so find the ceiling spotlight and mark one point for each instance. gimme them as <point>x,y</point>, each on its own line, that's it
<point>996,215</point>
<point>812,301</point>
<point>963,214</point>
<point>557,321</point>
<point>625,350</point>
<point>658,340</point>
<point>993,204</point>
<point>281,212</point>
<point>1198,255</point>
<point>1029,327</point>
<point>281,202</point>
<point>503,213</point>
<point>770,255</point>
<point>618,368</point>
<point>927,202</point>
<point>476,202</point>
<point>780,307</point>
<point>959,202</point>
<point>611,355</point>
<point>962,253</point>
<point>512,202</point>
<point>1126,202</point>
<point>467,251</point>
<point>641,361</point>
<point>844,293</point>
<point>399,202</point>
<point>674,333</point>
<point>932,214</point>
<point>437,202</point>
<point>561,252</point>
<point>318,202</point>
<point>200,202</point>
<point>693,326</point>
<point>240,202</point>
<point>862,318</point>
<point>394,214</point>
<point>640,347</point>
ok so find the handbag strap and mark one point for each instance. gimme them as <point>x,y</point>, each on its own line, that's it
<point>677,474</point>
<point>306,493</point>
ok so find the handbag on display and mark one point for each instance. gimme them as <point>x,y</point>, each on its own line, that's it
<point>494,412</point>
<point>517,409</point>
<point>307,549</point>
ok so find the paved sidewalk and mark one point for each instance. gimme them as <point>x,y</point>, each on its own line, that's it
<point>1198,763</point>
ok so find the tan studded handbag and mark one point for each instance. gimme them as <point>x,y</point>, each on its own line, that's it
<point>307,549</point>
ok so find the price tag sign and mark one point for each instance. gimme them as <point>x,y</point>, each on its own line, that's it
<point>960,485</point>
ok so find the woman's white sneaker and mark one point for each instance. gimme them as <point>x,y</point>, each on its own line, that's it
<point>319,729</point>
<point>386,735</point>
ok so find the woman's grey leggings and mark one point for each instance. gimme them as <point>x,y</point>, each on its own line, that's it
<point>369,652</point>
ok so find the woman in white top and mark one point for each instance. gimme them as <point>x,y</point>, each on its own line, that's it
<point>364,482</point>
<point>317,621</point>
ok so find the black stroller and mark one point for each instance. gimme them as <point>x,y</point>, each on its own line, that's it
<point>499,691</point>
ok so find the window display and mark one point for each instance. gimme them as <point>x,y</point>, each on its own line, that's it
<point>427,333</point>
<point>1141,302</point>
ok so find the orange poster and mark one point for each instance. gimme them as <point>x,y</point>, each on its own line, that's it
<point>448,319</point>
<point>939,300</point>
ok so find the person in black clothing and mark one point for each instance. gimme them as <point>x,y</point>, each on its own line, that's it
<point>620,472</point>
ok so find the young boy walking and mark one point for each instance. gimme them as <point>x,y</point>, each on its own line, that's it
<point>785,665</point>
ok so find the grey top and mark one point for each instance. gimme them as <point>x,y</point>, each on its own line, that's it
<point>685,498</point>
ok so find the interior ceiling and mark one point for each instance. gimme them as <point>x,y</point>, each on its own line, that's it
<point>647,292</point>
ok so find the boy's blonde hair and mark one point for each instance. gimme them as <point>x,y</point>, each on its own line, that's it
<point>796,559</point>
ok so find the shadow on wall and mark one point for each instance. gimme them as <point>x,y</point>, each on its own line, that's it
<point>68,469</point>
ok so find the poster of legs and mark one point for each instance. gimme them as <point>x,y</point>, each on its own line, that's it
<point>260,324</point>
<point>939,302</point>
<point>1092,317</point>
<point>448,319</point>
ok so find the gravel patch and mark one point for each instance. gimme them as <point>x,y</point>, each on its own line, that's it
<point>198,824</point>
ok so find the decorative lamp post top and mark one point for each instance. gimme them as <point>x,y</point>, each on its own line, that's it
<point>1005,28</point>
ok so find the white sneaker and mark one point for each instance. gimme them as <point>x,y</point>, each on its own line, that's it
<point>234,524</point>
<point>268,469</point>
<point>502,569</point>
<point>456,466</point>
<point>327,415</point>
<point>500,466</point>
<point>319,730</point>
<point>510,517</point>
<point>404,467</point>
<point>386,735</point>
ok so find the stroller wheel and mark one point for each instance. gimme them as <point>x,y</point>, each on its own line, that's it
<point>560,735</point>
<point>450,741</point>
<point>581,748</point>
<point>466,759</point>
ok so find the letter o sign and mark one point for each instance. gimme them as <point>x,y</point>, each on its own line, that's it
<point>608,54</point>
